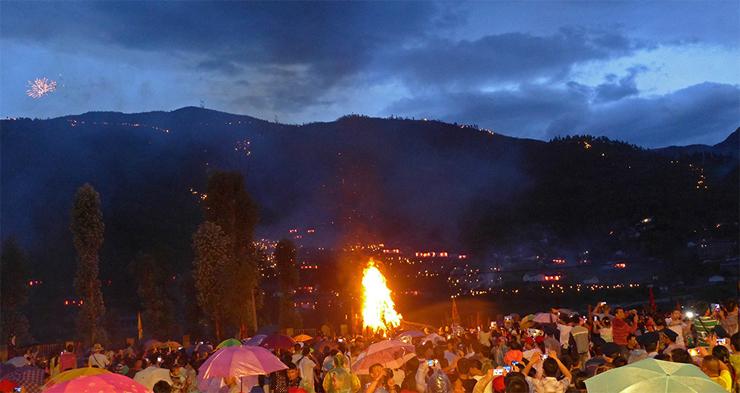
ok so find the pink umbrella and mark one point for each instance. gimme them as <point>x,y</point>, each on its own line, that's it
<point>389,353</point>
<point>102,383</point>
<point>239,361</point>
<point>277,341</point>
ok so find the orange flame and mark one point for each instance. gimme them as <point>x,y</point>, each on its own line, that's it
<point>378,312</point>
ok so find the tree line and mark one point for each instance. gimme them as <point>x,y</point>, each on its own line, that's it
<point>225,276</point>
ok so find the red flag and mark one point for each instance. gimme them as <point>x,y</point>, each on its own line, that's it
<point>652,300</point>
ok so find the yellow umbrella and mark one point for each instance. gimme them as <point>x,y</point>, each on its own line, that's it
<point>302,338</point>
<point>74,373</point>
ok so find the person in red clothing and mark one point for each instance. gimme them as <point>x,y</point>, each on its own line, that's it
<point>68,359</point>
<point>621,328</point>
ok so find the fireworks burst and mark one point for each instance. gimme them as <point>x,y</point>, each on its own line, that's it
<point>40,87</point>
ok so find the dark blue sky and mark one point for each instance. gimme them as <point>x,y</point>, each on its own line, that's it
<point>651,73</point>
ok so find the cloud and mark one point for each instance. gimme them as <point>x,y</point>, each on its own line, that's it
<point>699,113</point>
<point>614,90</point>
<point>508,57</point>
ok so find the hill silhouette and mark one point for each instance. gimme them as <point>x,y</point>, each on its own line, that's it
<point>414,183</point>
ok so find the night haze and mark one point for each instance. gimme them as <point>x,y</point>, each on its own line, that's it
<point>194,181</point>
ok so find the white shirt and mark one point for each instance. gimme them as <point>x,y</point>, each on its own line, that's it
<point>306,366</point>
<point>548,385</point>
<point>564,334</point>
<point>98,360</point>
<point>678,328</point>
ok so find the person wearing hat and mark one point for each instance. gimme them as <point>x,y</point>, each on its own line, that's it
<point>97,358</point>
<point>669,339</point>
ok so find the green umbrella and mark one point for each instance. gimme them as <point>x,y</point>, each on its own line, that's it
<point>232,342</point>
<point>650,375</point>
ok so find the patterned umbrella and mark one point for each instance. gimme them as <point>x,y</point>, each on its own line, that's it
<point>103,383</point>
<point>6,368</point>
<point>277,341</point>
<point>389,353</point>
<point>29,377</point>
<point>74,373</point>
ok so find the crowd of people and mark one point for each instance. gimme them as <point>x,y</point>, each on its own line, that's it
<point>555,352</point>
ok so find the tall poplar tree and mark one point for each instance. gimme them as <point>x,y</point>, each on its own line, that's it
<point>287,277</point>
<point>87,234</point>
<point>212,257</point>
<point>229,205</point>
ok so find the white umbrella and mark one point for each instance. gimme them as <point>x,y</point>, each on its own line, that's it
<point>151,375</point>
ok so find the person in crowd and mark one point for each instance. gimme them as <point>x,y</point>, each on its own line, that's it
<point>565,324</point>
<point>623,325</point>
<point>307,365</point>
<point>379,380</point>
<point>297,353</point>
<point>137,366</point>
<point>728,317</point>
<point>178,377</point>
<point>294,379</point>
<point>579,337</point>
<point>484,338</point>
<point>457,384</point>
<point>704,325</point>
<point>669,337</point>
<point>717,371</point>
<point>735,354</point>
<point>67,359</point>
<point>463,370</point>
<point>603,327</point>
<point>191,381</point>
<point>340,379</point>
<point>498,351</point>
<point>451,354</point>
<point>680,355</point>
<point>548,382</point>
<point>636,350</point>
<point>514,353</point>
<point>97,358</point>
<point>723,354</point>
<point>677,324</point>
<point>162,387</point>
<point>551,343</point>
